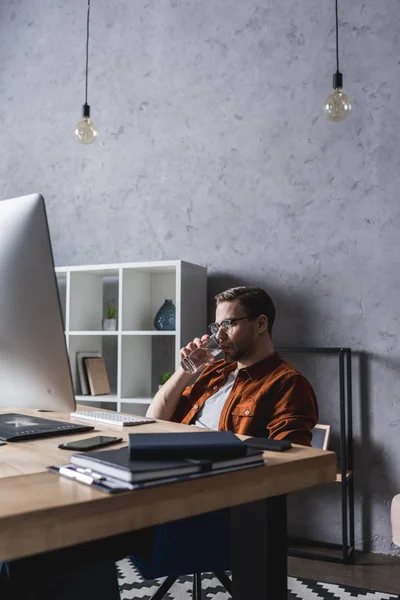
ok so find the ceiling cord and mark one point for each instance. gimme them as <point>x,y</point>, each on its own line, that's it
<point>87,51</point>
<point>337,36</point>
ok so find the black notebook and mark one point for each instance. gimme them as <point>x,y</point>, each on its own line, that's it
<point>116,463</point>
<point>213,445</point>
<point>17,428</point>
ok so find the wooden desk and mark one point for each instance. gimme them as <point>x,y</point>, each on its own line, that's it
<point>40,511</point>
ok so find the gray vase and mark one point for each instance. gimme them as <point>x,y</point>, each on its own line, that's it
<point>165,317</point>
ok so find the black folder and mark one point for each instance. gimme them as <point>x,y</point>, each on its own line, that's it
<point>211,445</point>
<point>117,463</point>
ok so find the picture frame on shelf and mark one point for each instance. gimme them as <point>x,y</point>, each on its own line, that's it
<point>83,377</point>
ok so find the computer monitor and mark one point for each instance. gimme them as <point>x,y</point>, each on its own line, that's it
<point>34,365</point>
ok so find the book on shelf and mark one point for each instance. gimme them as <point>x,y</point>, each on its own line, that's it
<point>213,445</point>
<point>83,379</point>
<point>97,376</point>
<point>118,464</point>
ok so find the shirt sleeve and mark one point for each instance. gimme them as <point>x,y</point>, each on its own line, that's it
<point>183,405</point>
<point>295,412</point>
<point>195,392</point>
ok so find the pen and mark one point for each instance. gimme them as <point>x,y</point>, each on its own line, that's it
<point>76,475</point>
<point>96,476</point>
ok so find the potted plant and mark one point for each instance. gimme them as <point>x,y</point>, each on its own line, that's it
<point>110,324</point>
<point>163,378</point>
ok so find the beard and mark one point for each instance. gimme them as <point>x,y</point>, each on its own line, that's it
<point>236,353</point>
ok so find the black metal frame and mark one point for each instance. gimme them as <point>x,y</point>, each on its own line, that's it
<point>346,460</point>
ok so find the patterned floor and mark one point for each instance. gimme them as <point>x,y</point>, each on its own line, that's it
<point>133,587</point>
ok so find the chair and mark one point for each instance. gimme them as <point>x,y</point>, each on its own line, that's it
<point>197,545</point>
<point>194,545</point>
<point>395,519</point>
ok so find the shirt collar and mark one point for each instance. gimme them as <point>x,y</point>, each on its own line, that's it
<point>254,371</point>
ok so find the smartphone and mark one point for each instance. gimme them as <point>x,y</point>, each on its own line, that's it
<point>91,443</point>
<point>267,444</point>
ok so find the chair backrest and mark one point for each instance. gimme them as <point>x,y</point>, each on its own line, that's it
<point>320,436</point>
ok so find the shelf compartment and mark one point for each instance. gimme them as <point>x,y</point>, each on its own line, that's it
<point>143,359</point>
<point>108,348</point>
<point>91,292</point>
<point>143,293</point>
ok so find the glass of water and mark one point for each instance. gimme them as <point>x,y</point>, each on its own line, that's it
<point>201,355</point>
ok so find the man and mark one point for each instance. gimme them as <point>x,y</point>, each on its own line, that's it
<point>252,391</point>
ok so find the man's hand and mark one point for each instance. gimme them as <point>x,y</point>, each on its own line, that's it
<point>197,342</point>
<point>166,400</point>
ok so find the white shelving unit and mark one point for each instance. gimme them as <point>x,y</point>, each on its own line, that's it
<point>136,353</point>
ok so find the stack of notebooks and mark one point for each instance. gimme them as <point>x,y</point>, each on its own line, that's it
<point>160,458</point>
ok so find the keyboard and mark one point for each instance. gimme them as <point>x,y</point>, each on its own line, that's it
<point>111,418</point>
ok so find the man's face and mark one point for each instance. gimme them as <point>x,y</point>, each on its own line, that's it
<point>241,338</point>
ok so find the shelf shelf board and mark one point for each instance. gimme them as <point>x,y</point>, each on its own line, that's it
<point>138,400</point>
<point>101,398</point>
<point>84,332</point>
<point>133,332</point>
<point>115,398</point>
<point>339,476</point>
<point>105,270</point>
<point>148,332</point>
<point>98,270</point>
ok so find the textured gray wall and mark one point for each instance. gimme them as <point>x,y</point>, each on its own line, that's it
<point>213,149</point>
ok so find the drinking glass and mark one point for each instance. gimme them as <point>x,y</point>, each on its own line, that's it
<point>201,355</point>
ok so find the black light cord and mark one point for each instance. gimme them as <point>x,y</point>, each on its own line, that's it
<point>337,36</point>
<point>87,51</point>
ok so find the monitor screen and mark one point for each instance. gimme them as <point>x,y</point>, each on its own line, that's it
<point>34,365</point>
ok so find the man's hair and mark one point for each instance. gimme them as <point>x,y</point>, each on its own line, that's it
<point>254,300</point>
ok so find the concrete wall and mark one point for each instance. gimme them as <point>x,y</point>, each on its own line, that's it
<point>213,149</point>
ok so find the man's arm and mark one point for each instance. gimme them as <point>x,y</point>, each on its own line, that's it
<point>167,398</point>
<point>295,412</point>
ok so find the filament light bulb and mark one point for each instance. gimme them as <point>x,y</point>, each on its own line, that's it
<point>85,130</point>
<point>337,106</point>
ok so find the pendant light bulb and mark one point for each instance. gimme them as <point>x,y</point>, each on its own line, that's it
<point>85,130</point>
<point>337,105</point>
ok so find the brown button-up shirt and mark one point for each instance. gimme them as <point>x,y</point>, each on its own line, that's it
<point>268,399</point>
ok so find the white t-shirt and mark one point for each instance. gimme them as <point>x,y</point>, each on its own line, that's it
<point>209,414</point>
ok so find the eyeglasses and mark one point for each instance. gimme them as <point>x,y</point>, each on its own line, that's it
<point>226,324</point>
